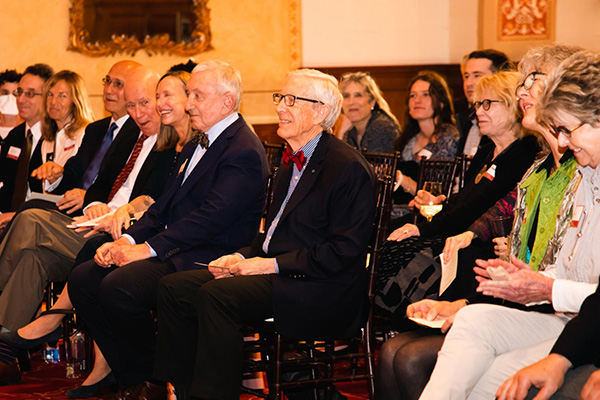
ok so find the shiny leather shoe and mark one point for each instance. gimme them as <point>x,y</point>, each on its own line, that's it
<point>85,391</point>
<point>9,374</point>
<point>141,391</point>
<point>12,338</point>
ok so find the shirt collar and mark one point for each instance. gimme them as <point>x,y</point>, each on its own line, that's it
<point>215,131</point>
<point>309,148</point>
<point>36,129</point>
<point>120,122</point>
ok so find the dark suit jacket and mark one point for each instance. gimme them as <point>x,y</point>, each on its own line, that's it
<point>115,159</point>
<point>320,244</point>
<point>11,199</point>
<point>580,340</point>
<point>217,209</point>
<point>76,166</point>
<point>8,166</point>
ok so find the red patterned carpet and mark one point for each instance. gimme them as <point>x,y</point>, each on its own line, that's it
<point>49,382</point>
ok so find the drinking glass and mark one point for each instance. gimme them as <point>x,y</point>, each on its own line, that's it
<point>431,209</point>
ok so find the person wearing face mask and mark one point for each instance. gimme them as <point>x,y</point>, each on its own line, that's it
<point>9,113</point>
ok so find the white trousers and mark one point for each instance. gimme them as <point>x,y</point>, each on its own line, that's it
<point>485,346</point>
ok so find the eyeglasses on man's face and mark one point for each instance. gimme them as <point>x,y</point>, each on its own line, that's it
<point>30,94</point>
<point>117,84</point>
<point>562,130</point>
<point>486,104</point>
<point>529,81</point>
<point>289,99</point>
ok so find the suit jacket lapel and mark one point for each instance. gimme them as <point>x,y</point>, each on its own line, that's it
<point>309,177</point>
<point>281,185</point>
<point>209,159</point>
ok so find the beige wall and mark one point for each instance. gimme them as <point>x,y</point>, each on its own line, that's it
<point>266,38</point>
<point>255,36</point>
<point>391,32</point>
<point>387,32</point>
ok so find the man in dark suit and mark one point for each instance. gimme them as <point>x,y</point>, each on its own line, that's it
<point>476,65</point>
<point>213,206</point>
<point>108,141</point>
<point>18,148</point>
<point>39,248</point>
<point>307,271</point>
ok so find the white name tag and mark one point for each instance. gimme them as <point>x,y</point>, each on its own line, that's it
<point>425,153</point>
<point>577,216</point>
<point>13,152</point>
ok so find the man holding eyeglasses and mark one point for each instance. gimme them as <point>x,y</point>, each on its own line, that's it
<point>22,141</point>
<point>307,270</point>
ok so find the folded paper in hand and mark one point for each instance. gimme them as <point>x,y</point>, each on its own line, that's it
<point>89,223</point>
<point>448,270</point>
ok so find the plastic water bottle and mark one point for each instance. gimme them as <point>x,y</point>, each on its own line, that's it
<point>51,354</point>
<point>76,359</point>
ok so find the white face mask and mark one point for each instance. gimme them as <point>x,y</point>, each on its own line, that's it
<point>8,105</point>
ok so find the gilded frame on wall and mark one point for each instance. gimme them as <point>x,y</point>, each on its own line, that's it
<point>79,37</point>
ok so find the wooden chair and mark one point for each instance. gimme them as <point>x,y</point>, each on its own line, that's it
<point>385,164</point>
<point>274,154</point>
<point>281,355</point>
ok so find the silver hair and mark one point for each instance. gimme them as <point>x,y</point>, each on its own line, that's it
<point>229,79</point>
<point>324,88</point>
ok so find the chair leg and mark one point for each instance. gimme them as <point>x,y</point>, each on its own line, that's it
<point>369,358</point>
<point>278,362</point>
<point>329,349</point>
<point>313,371</point>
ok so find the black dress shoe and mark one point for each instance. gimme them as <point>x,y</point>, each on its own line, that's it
<point>85,391</point>
<point>13,339</point>
<point>9,373</point>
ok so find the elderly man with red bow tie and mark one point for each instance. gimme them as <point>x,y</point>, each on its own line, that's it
<point>307,270</point>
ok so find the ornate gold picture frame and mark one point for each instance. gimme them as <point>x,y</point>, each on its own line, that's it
<point>79,37</point>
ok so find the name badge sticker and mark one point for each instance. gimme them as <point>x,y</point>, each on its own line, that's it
<point>13,153</point>
<point>578,216</point>
<point>490,174</point>
<point>424,153</point>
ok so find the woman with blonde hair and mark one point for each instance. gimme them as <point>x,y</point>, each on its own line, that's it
<point>65,114</point>
<point>175,128</point>
<point>367,121</point>
<point>408,270</point>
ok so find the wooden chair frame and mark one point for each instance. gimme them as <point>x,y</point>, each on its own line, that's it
<point>320,356</point>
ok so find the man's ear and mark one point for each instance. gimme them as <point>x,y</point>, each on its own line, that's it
<point>321,113</point>
<point>229,102</point>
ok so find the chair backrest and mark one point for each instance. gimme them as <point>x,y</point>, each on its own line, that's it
<point>274,154</point>
<point>384,164</point>
<point>442,171</point>
<point>379,232</point>
<point>462,165</point>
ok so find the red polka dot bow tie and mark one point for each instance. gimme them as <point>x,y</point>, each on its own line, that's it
<point>298,158</point>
